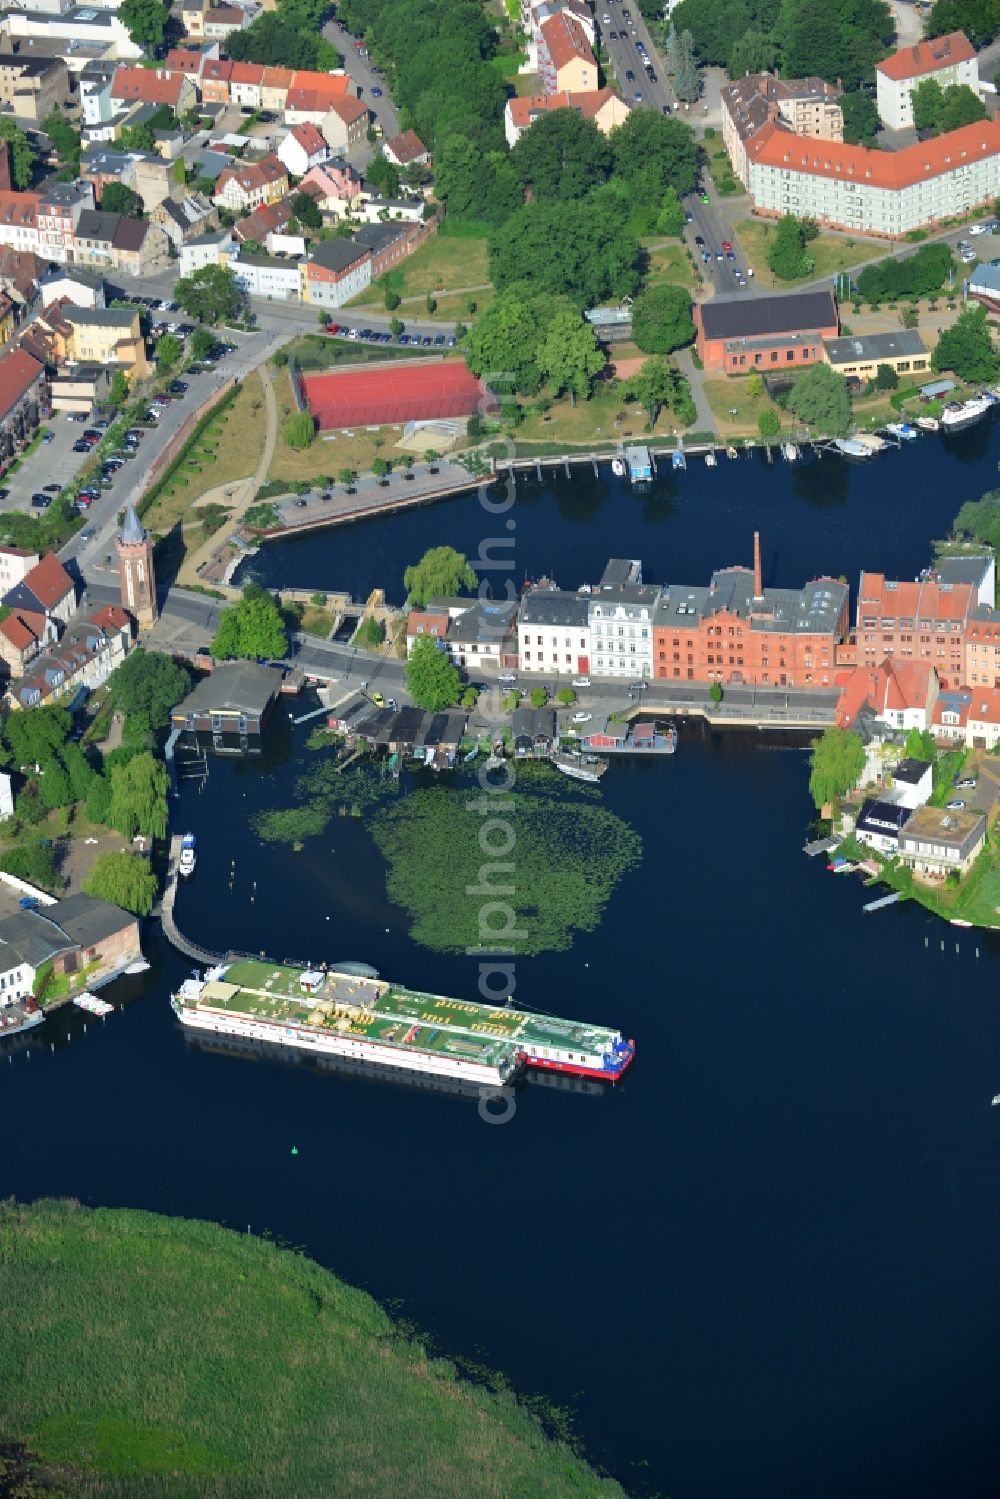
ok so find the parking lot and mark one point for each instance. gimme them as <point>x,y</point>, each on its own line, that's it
<point>52,462</point>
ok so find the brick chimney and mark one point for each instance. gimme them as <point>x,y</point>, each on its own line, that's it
<point>758,584</point>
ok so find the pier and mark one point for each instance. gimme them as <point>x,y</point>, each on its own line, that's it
<point>190,949</point>
<point>886,900</point>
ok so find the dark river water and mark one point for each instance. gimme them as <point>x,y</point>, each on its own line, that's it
<point>765,1265</point>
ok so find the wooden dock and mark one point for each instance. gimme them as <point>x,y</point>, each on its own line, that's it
<point>820,846</point>
<point>886,900</point>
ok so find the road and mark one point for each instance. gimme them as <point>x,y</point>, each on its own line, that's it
<point>368,77</point>
<point>621,27</point>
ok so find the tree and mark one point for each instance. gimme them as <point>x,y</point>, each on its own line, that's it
<point>306,210</point>
<point>687,84</point>
<point>652,153</point>
<point>919,745</point>
<point>967,349</point>
<point>753,52</point>
<point>33,861</point>
<point>346,476</point>
<point>539,697</point>
<point>370,633</point>
<point>477,188</point>
<point>569,357</point>
<point>34,737</point>
<point>566,696</point>
<point>911,276</point>
<point>562,155</point>
<point>755,386</point>
<point>203,342</point>
<point>670,219</point>
<point>430,302</point>
<point>927,99</point>
<point>653,386</point>
<point>861,121</point>
<point>501,347</point>
<point>65,140</point>
<point>960,106</point>
<point>250,629</point>
<point>146,22</point>
<point>383,175</point>
<point>835,39</point>
<point>661,319</point>
<point>288,38</point>
<point>117,198</point>
<point>79,769</point>
<point>786,254</point>
<point>21,152</point>
<point>118,392</point>
<point>149,684</point>
<point>138,801</point>
<point>299,429</point>
<point>125,880</point>
<point>168,352</point>
<point>98,799</point>
<point>441,572</point>
<point>886,377</point>
<point>209,294</point>
<point>836,762</point>
<point>715,692</point>
<point>54,785</point>
<point>819,397</point>
<point>568,249</point>
<point>768,423</point>
<point>380,467</point>
<point>431,679</point>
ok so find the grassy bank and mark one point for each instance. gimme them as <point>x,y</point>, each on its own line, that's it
<point>830,252</point>
<point>148,1356</point>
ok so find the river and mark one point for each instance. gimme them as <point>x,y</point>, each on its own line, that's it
<point>765,1265</point>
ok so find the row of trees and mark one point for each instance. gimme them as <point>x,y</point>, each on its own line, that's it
<point>522,340</point>
<point>918,275</point>
<point>832,39</point>
<point>979,19</point>
<point>289,37</point>
<point>940,109</point>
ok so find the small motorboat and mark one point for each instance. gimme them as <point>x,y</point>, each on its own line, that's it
<point>927,423</point>
<point>618,467</point>
<point>902,430</point>
<point>188,856</point>
<point>678,459</point>
<point>710,458</point>
<point>995,1100</point>
<point>790,451</point>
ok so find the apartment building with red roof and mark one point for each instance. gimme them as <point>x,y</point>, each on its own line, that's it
<point>924,621</point>
<point>602,105</point>
<point>24,395</point>
<point>566,61</point>
<point>901,693</point>
<point>175,88</point>
<point>23,635</point>
<point>886,193</point>
<point>46,589</point>
<point>949,60</point>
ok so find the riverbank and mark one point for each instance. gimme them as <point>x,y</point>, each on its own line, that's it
<point>146,1355</point>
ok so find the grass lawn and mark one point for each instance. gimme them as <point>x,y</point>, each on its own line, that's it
<point>592,423</point>
<point>726,395</point>
<point>228,449</point>
<point>831,252</point>
<point>329,452</point>
<point>443,263</point>
<point>147,1356</point>
<point>668,261</point>
<point>720,169</point>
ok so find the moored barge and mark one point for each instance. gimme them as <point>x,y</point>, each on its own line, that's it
<point>326,1011</point>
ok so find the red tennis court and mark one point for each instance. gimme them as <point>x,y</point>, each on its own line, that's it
<point>397,393</point>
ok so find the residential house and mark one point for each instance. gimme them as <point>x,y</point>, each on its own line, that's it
<point>937,842</point>
<point>19,221</point>
<point>219,20</point>
<point>71,284</point>
<point>901,694</point>
<point>389,243</point>
<point>152,179</point>
<point>98,107</point>
<point>15,563</point>
<point>23,635</point>
<point>132,246</point>
<point>802,106</point>
<point>336,186</point>
<point>186,60</point>
<point>744,335</point>
<point>432,622</point>
<point>950,716</point>
<point>24,396</point>
<point>484,634</point>
<point>336,270</point>
<point>245,84</point>
<point>85,657</point>
<point>602,105</point>
<point>274,86</point>
<point>20,274</point>
<point>215,75</point>
<point>259,226</point>
<point>311,94</point>
<point>375,210</point>
<point>566,59</point>
<point>344,124</point>
<point>303,147</point>
<point>921,621</point>
<point>858,357</point>
<point>982,727</point>
<point>103,166</point>
<point>216,248</point>
<point>912,782</point>
<point>736,630</point>
<point>47,589</point>
<point>76,936</point>
<point>864,191</point>
<point>879,825</point>
<point>979,569</point>
<point>267,276</point>
<point>949,60</point>
<point>406,150</point>
<point>59,211</point>
<point>605,734</point>
<point>620,614</point>
<point>186,218</point>
<point>81,388</point>
<point>983,286</point>
<point>32,87</point>
<point>108,336</point>
<point>553,632</point>
<point>246,185</point>
<point>155,86</point>
<point>193,20</point>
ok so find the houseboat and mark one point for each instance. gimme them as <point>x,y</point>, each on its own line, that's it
<point>579,767</point>
<point>327,1012</point>
<point>852,447</point>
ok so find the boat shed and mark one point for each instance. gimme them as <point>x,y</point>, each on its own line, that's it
<point>433,737</point>
<point>534,730</point>
<point>605,735</point>
<point>936,390</point>
<point>232,704</point>
<point>640,463</point>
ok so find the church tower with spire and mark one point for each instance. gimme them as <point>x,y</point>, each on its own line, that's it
<point>135,569</point>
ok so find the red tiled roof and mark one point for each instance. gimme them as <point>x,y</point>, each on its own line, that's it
<point>349,109</point>
<point>523,109</point>
<point>892,170</point>
<point>151,85</point>
<point>895,686</point>
<point>246,72</point>
<point>19,208</point>
<point>565,39</point>
<point>426,622</point>
<point>184,60</point>
<point>112,617</point>
<point>985,705</point>
<point>217,70</point>
<point>927,57</point>
<point>252,174</point>
<point>48,580</point>
<point>921,600</point>
<point>278,78</point>
<point>18,632</point>
<point>18,373</point>
<point>308,137</point>
<point>406,147</point>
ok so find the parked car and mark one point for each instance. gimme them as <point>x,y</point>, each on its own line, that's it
<point>48,437</point>
<point>955,806</point>
<point>629,76</point>
<point>582,717</point>
<point>81,447</point>
<point>967,783</point>
<point>52,488</point>
<point>41,501</point>
<point>581,681</point>
<point>87,533</point>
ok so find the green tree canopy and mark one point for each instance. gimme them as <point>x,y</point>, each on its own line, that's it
<point>502,345</point>
<point>980,519</point>
<point>210,294</point>
<point>661,319</point>
<point>916,275</point>
<point>565,248</point>
<point>836,763</point>
<point>943,109</point>
<point>289,37</point>
<point>967,348</point>
<point>54,786</point>
<point>919,745</point>
<point>202,342</point>
<point>125,880</point>
<point>383,175</point>
<point>146,22</point>
<point>687,84</point>
<point>652,153</point>
<point>306,210</point>
<point>979,19</point>
<point>787,254</point>
<point>478,188</point>
<point>819,397</point>
<point>138,801</point>
<point>149,684</point>
<point>431,679</point>
<point>440,573</point>
<point>569,357</point>
<point>251,628</point>
<point>35,736</point>
<point>656,385</point>
<point>21,151</point>
<point>169,349</point>
<point>65,140</point>
<point>861,121</point>
<point>670,217</point>
<point>886,377</point>
<point>117,198</point>
<point>769,422</point>
<point>562,155</point>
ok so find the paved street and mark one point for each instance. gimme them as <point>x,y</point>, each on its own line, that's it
<point>619,35</point>
<point>363,72</point>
